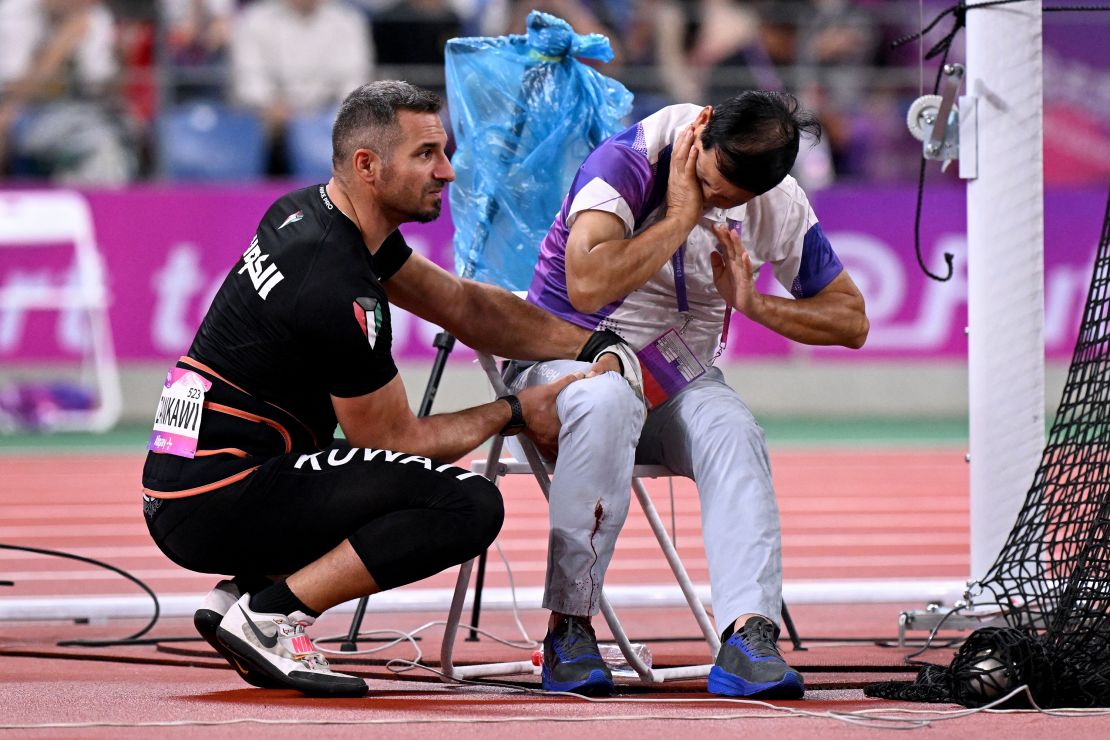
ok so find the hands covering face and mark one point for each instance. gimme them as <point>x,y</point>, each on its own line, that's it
<point>684,193</point>
<point>732,271</point>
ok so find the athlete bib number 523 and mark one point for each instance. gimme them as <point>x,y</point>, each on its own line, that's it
<point>177,420</point>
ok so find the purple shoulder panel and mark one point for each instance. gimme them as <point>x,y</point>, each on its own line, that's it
<point>618,162</point>
<point>819,264</point>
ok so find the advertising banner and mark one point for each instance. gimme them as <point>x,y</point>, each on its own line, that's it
<point>167,249</point>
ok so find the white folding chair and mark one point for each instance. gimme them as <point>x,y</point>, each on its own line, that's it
<point>495,468</point>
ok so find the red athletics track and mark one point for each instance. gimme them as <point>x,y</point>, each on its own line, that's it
<point>894,515</point>
<point>847,514</point>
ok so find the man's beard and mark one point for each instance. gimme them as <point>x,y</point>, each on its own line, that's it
<point>428,215</point>
<point>407,213</point>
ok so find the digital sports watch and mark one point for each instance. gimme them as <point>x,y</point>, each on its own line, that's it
<point>516,424</point>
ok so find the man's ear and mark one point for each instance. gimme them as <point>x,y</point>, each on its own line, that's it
<point>700,122</point>
<point>367,165</point>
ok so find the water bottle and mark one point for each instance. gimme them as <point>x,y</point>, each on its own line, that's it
<point>613,657</point>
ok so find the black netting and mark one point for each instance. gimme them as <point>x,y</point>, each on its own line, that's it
<point>932,684</point>
<point>1052,577</point>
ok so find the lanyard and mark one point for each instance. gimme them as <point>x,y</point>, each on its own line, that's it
<point>678,263</point>
<point>724,334</point>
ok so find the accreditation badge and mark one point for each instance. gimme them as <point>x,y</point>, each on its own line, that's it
<point>668,366</point>
<point>177,420</point>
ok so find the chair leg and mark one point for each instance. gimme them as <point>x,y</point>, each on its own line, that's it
<point>350,644</point>
<point>479,582</point>
<point>712,639</point>
<point>493,473</point>
<point>792,631</point>
<point>476,609</point>
<point>621,638</point>
<point>454,616</point>
<point>444,343</point>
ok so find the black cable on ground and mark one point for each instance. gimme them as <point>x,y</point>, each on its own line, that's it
<point>133,639</point>
<point>137,638</point>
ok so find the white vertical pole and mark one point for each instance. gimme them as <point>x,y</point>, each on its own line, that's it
<point>1005,233</point>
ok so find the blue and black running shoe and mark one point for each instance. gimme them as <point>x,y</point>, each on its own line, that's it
<point>750,664</point>
<point>572,661</point>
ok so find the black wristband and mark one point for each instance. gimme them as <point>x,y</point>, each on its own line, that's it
<point>516,424</point>
<point>597,342</point>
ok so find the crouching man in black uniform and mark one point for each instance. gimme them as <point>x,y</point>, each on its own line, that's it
<point>243,476</point>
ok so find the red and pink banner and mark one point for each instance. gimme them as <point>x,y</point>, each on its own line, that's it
<point>167,249</point>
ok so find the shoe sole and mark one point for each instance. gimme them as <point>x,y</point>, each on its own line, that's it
<point>307,683</point>
<point>596,684</point>
<point>723,683</point>
<point>207,623</point>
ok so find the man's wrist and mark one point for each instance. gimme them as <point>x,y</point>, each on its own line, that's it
<point>753,307</point>
<point>515,424</point>
<point>682,221</point>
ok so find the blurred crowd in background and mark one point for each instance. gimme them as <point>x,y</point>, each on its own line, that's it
<point>107,92</point>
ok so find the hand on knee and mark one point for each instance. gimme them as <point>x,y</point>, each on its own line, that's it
<point>604,398</point>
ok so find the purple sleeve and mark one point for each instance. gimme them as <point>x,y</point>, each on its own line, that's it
<point>626,170</point>
<point>819,264</point>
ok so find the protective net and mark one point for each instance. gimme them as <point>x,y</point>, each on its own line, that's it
<point>1052,577</point>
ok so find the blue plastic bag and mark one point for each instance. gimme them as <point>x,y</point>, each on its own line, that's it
<point>525,114</point>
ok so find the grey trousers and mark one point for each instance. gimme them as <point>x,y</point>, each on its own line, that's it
<point>706,433</point>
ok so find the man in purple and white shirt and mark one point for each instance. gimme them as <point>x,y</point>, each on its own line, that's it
<point>660,237</point>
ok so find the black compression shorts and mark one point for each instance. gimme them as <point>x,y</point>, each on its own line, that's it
<point>406,516</point>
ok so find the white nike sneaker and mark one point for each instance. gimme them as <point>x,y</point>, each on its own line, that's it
<point>275,646</point>
<point>207,620</point>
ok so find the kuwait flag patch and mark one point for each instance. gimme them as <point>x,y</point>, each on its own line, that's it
<point>368,314</point>
<point>293,218</point>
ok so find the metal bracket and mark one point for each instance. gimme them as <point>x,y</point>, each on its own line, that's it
<point>964,615</point>
<point>935,615</point>
<point>935,119</point>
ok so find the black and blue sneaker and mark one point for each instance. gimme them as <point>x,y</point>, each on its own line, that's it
<point>572,661</point>
<point>750,664</point>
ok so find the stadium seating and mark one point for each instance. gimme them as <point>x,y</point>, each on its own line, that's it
<point>211,141</point>
<point>308,145</point>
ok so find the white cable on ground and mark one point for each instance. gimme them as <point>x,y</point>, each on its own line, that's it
<point>527,644</point>
<point>512,590</point>
<point>866,718</point>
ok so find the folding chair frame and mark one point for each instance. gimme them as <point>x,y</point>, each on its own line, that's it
<point>494,468</point>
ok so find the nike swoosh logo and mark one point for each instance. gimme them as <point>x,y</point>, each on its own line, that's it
<point>266,642</point>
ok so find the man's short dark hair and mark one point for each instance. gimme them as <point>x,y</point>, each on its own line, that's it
<point>368,117</point>
<point>755,136</point>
